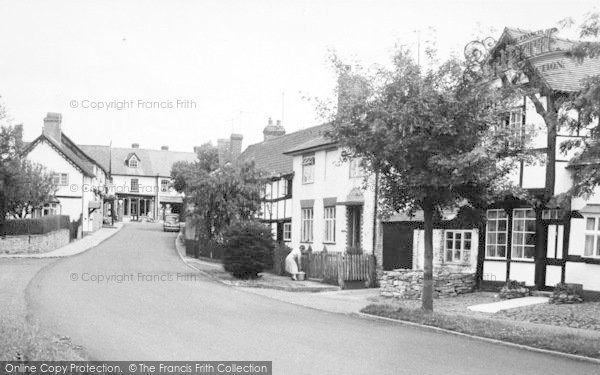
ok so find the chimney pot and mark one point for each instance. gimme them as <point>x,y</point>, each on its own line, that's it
<point>135,145</point>
<point>164,148</point>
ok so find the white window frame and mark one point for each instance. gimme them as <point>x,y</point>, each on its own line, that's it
<point>164,186</point>
<point>137,185</point>
<point>306,233</point>
<point>595,234</point>
<point>308,169</point>
<point>356,170</point>
<point>329,215</point>
<point>134,164</point>
<point>515,243</point>
<point>51,209</point>
<point>494,221</point>
<point>287,232</point>
<point>460,238</point>
<point>516,125</point>
<point>60,179</point>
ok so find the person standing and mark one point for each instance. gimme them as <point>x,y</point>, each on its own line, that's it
<point>291,264</point>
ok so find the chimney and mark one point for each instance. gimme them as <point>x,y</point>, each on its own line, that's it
<point>223,150</point>
<point>52,126</point>
<point>164,148</point>
<point>273,131</point>
<point>135,145</point>
<point>235,146</point>
<point>19,135</point>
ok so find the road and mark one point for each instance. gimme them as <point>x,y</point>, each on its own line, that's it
<point>194,318</point>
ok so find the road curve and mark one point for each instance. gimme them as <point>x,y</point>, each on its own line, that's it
<point>179,315</point>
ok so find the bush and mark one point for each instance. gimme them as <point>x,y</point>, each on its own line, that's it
<point>279,255</point>
<point>248,249</point>
<point>39,225</point>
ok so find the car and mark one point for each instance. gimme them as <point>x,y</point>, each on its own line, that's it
<point>171,223</point>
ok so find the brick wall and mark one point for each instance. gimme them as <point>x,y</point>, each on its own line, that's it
<point>36,243</point>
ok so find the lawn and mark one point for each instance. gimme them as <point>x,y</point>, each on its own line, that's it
<point>543,326</point>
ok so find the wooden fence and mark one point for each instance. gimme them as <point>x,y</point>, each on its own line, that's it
<point>337,268</point>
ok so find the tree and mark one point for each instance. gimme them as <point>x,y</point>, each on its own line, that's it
<point>218,195</point>
<point>430,136</point>
<point>586,103</point>
<point>23,185</point>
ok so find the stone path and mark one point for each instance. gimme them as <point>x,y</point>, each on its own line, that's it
<point>494,307</point>
<point>89,241</point>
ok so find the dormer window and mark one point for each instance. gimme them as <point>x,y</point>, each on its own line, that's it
<point>133,161</point>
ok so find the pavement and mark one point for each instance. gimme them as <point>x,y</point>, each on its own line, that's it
<point>132,298</point>
<point>87,242</point>
<point>513,303</point>
<point>266,280</point>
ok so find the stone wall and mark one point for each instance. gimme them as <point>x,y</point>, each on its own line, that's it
<point>408,284</point>
<point>35,243</point>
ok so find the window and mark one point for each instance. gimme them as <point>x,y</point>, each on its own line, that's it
<point>516,126</point>
<point>356,169</point>
<point>457,247</point>
<point>592,236</point>
<point>307,225</point>
<point>308,169</point>
<point>135,184</point>
<point>60,179</point>
<point>329,224</point>
<point>287,231</point>
<point>164,186</point>
<point>496,234</point>
<point>51,209</point>
<point>287,188</point>
<point>523,234</point>
<point>133,162</point>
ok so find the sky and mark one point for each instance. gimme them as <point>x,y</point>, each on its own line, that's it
<point>182,72</point>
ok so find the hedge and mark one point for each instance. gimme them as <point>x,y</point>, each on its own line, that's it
<point>39,225</point>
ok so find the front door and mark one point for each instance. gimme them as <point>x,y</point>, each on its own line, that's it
<point>354,226</point>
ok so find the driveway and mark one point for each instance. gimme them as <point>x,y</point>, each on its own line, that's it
<point>155,308</point>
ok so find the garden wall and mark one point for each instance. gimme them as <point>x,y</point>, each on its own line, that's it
<point>34,243</point>
<point>408,284</point>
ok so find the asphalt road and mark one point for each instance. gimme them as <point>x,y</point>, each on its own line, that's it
<point>197,319</point>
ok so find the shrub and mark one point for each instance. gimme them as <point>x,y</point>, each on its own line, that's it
<point>248,249</point>
<point>279,255</point>
<point>39,225</point>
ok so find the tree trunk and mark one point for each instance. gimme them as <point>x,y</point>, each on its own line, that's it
<point>427,297</point>
<point>551,119</point>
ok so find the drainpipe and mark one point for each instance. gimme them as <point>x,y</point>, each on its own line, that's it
<point>375,199</point>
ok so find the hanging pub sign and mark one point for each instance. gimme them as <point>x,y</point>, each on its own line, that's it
<point>536,42</point>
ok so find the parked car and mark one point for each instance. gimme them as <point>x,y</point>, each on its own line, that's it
<point>171,223</point>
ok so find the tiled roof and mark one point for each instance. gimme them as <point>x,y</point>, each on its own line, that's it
<point>311,145</point>
<point>557,70</point>
<point>151,162</point>
<point>70,151</point>
<point>268,155</point>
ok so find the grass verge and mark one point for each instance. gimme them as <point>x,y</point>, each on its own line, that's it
<point>560,339</point>
<point>24,342</point>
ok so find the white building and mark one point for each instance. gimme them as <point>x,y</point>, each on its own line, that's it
<point>141,179</point>
<point>79,177</point>
<point>332,208</point>
<point>551,244</point>
<point>268,156</point>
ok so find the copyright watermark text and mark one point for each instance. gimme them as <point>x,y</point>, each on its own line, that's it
<point>132,104</point>
<point>139,277</point>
